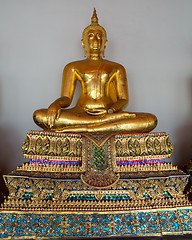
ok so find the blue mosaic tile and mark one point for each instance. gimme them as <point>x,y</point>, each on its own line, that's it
<point>169,221</point>
<point>26,225</point>
<point>122,224</point>
<point>79,225</point>
<point>100,224</point>
<point>186,218</point>
<point>76,225</point>
<point>51,225</point>
<point>7,221</point>
<point>147,223</point>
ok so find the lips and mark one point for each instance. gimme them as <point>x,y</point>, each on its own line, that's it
<point>95,46</point>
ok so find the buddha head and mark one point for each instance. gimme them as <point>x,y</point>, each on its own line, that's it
<point>94,38</point>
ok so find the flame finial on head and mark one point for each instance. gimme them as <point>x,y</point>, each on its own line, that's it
<point>94,19</point>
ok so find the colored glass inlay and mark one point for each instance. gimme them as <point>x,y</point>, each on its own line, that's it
<point>106,196</point>
<point>141,223</point>
<point>139,162</point>
<point>27,195</point>
<point>55,162</point>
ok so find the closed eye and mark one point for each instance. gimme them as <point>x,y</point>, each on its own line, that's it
<point>90,35</point>
<point>99,36</point>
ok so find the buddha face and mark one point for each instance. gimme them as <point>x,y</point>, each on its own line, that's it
<point>94,42</point>
<point>95,39</point>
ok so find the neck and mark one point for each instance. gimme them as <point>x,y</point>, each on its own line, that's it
<point>93,56</point>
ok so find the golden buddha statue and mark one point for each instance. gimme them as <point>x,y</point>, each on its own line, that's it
<point>104,93</point>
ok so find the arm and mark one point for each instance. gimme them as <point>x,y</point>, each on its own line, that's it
<point>67,91</point>
<point>122,90</point>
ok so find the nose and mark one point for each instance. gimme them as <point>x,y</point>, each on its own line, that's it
<point>95,39</point>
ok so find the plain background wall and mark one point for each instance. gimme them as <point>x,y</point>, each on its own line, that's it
<point>152,39</point>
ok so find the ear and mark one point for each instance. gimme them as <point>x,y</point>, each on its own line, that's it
<point>104,48</point>
<point>83,44</point>
<point>105,44</point>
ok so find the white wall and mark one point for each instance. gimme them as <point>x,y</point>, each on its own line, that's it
<point>151,38</point>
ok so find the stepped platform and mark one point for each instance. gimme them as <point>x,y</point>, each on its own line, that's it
<point>95,185</point>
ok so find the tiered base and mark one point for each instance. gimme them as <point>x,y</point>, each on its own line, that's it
<point>96,186</point>
<point>50,225</point>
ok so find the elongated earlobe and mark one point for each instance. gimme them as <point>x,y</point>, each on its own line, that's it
<point>83,44</point>
<point>103,53</point>
<point>85,53</point>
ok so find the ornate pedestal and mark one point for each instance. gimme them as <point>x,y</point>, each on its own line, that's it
<point>95,185</point>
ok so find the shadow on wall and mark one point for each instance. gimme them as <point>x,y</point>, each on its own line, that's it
<point>7,154</point>
<point>184,136</point>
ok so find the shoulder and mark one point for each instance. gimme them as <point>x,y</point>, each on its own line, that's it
<point>115,65</point>
<point>73,65</point>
